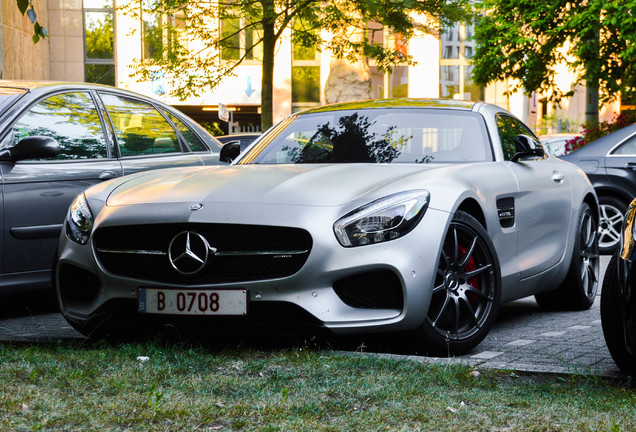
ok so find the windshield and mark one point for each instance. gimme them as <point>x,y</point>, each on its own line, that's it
<point>377,136</point>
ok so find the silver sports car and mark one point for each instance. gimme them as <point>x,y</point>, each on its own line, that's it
<point>414,216</point>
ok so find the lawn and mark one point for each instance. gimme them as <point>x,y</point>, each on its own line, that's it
<point>176,386</point>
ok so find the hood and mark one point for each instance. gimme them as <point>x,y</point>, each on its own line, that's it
<point>312,185</point>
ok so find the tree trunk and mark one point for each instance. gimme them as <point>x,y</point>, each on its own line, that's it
<point>591,103</point>
<point>267,80</point>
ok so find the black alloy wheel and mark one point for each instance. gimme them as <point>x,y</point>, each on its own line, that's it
<point>612,212</point>
<point>465,297</point>
<point>578,290</point>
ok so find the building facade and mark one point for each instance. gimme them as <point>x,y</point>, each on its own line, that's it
<point>92,40</point>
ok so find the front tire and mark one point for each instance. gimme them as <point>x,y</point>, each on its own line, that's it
<point>578,290</point>
<point>612,320</point>
<point>467,290</point>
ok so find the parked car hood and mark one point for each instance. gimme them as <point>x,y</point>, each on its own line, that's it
<point>316,185</point>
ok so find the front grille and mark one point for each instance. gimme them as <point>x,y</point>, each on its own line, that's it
<point>373,290</point>
<point>240,252</point>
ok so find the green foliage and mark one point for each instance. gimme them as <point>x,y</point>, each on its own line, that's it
<point>525,40</point>
<point>99,38</point>
<point>39,32</point>
<point>594,132</point>
<point>262,24</point>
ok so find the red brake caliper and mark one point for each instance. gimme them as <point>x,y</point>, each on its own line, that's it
<point>474,281</point>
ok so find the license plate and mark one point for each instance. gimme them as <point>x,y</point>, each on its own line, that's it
<point>192,302</point>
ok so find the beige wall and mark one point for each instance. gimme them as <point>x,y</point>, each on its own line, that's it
<point>66,32</point>
<point>21,59</point>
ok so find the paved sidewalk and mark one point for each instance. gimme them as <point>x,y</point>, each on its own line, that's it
<point>525,338</point>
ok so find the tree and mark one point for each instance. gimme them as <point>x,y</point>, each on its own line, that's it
<point>261,24</point>
<point>39,32</point>
<point>525,40</point>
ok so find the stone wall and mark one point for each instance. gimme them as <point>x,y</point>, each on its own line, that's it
<point>20,58</point>
<point>66,30</point>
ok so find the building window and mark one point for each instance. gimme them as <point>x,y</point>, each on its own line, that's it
<point>455,80</point>
<point>394,84</point>
<point>160,32</point>
<point>239,40</point>
<point>99,42</point>
<point>305,76</point>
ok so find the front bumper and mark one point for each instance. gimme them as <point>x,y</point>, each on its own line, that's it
<point>330,290</point>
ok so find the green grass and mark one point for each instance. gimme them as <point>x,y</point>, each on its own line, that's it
<point>183,387</point>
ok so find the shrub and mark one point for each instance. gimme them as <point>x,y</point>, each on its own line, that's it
<point>590,134</point>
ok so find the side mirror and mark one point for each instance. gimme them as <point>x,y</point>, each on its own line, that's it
<point>32,147</point>
<point>230,151</point>
<point>526,146</point>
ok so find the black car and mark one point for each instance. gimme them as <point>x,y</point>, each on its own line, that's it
<point>618,300</point>
<point>57,139</point>
<point>243,139</point>
<point>610,164</point>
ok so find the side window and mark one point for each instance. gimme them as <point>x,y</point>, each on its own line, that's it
<point>70,118</point>
<point>193,141</point>
<point>627,148</point>
<point>508,129</point>
<point>139,127</point>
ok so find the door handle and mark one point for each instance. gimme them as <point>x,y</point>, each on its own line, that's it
<point>557,177</point>
<point>630,165</point>
<point>107,175</point>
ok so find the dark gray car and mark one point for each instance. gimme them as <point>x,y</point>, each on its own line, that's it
<point>57,139</point>
<point>610,164</point>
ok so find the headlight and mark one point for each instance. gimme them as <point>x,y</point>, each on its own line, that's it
<point>80,220</point>
<point>385,219</point>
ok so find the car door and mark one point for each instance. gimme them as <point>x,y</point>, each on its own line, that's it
<point>201,142</point>
<point>146,139</point>
<point>542,206</point>
<point>620,164</point>
<point>37,193</point>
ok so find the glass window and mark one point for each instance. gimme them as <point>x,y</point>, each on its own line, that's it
<point>449,81</point>
<point>253,45</point>
<point>508,129</point>
<point>305,84</point>
<point>457,48</point>
<point>230,39</point>
<point>194,142</point>
<point>394,84</point>
<point>100,73</point>
<point>627,148</point>
<point>379,136</point>
<point>152,36</point>
<point>72,119</point>
<point>450,42</point>
<point>400,82</point>
<point>98,4</point>
<point>99,35</point>
<point>139,127</point>
<point>99,40</point>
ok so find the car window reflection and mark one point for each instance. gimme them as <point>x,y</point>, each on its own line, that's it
<point>70,118</point>
<point>368,136</point>
<point>139,127</point>
<point>193,141</point>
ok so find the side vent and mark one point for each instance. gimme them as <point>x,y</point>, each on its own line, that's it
<point>506,212</point>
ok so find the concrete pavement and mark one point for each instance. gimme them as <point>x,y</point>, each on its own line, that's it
<point>525,338</point>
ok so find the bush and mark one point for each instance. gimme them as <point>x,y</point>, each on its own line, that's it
<point>590,134</point>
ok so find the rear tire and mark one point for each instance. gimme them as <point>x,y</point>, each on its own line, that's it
<point>612,320</point>
<point>465,297</point>
<point>578,290</point>
<point>612,212</point>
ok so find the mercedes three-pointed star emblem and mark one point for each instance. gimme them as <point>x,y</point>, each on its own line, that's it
<point>189,252</point>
